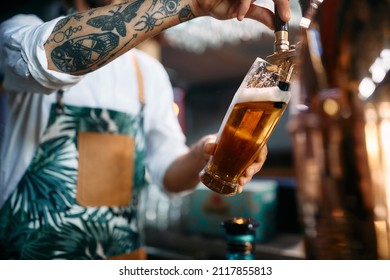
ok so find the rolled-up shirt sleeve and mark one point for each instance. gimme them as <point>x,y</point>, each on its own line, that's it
<point>24,61</point>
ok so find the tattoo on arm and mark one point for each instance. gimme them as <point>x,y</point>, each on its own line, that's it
<point>82,53</point>
<point>169,7</point>
<point>118,18</point>
<point>61,23</point>
<point>85,53</point>
<point>186,14</point>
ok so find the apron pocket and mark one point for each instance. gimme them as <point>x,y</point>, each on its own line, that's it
<point>139,254</point>
<point>106,166</point>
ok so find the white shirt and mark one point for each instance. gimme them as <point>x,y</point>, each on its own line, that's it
<point>31,88</point>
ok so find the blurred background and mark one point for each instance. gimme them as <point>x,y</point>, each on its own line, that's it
<point>206,61</point>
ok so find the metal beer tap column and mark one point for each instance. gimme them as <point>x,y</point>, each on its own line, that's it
<point>284,55</point>
<point>340,126</point>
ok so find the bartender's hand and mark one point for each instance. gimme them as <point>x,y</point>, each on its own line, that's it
<point>240,9</point>
<point>255,167</point>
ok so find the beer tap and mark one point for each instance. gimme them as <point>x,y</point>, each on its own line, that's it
<point>284,55</point>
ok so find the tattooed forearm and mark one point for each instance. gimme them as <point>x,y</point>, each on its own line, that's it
<point>82,53</point>
<point>86,41</point>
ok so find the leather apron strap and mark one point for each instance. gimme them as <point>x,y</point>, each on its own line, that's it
<point>139,254</point>
<point>141,94</point>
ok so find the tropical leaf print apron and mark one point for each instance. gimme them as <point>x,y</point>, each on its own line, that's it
<point>64,207</point>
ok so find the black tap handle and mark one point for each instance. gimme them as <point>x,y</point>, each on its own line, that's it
<point>280,25</point>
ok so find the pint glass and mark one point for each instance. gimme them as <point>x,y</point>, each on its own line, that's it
<point>253,114</point>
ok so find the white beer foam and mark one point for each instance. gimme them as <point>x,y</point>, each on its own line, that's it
<point>273,94</point>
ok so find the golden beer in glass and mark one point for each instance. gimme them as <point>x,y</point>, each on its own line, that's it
<point>253,114</point>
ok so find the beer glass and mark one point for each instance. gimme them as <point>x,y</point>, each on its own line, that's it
<point>252,115</point>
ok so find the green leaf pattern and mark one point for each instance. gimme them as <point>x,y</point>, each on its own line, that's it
<point>42,220</point>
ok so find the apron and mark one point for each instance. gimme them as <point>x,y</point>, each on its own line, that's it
<point>79,196</point>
